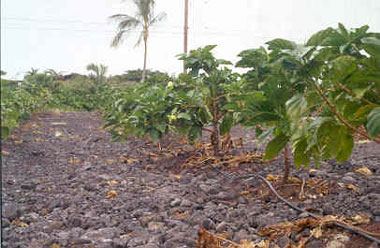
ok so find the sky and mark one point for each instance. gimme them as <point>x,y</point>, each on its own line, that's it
<point>67,35</point>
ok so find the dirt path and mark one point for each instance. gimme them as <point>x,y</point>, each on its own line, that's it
<point>64,183</point>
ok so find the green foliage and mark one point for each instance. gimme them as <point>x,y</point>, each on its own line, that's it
<point>317,95</point>
<point>373,122</point>
<point>18,101</point>
<point>186,105</point>
<point>41,91</point>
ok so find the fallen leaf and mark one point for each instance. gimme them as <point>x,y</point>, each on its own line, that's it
<point>263,244</point>
<point>59,123</point>
<point>271,177</point>
<point>44,211</point>
<point>19,223</point>
<point>294,180</point>
<point>55,245</point>
<point>127,160</point>
<point>126,235</point>
<point>174,176</point>
<point>360,219</point>
<point>75,160</point>
<point>364,171</point>
<point>353,187</point>
<point>110,161</point>
<point>112,183</point>
<point>4,153</point>
<point>363,141</point>
<point>17,142</point>
<point>317,232</point>
<point>341,185</point>
<point>111,194</point>
<point>58,134</point>
<point>39,140</point>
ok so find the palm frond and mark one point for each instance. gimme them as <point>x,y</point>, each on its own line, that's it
<point>157,18</point>
<point>128,23</point>
<point>118,39</point>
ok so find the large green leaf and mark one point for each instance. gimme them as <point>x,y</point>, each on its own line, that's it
<point>5,133</point>
<point>226,124</point>
<point>301,154</point>
<point>371,45</point>
<point>346,145</point>
<point>275,146</point>
<point>318,38</point>
<point>281,44</point>
<point>342,67</point>
<point>373,122</point>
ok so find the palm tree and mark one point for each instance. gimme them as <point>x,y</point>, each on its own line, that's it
<point>144,18</point>
<point>54,74</point>
<point>97,72</point>
<point>32,72</point>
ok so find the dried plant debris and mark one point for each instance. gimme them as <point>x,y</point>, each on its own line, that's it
<point>298,233</point>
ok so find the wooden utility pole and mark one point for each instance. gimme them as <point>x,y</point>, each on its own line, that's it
<point>186,27</point>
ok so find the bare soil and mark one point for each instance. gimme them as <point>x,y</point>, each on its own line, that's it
<point>65,184</point>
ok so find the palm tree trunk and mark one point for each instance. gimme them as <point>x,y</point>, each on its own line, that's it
<point>145,56</point>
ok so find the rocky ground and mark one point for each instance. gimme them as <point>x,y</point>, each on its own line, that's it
<point>65,184</point>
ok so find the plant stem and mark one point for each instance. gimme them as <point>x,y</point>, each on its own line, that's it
<point>336,113</point>
<point>287,164</point>
<point>352,93</point>
<point>215,130</point>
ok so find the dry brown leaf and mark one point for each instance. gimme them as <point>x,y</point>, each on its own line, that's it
<point>111,194</point>
<point>44,211</point>
<point>19,223</point>
<point>271,177</point>
<point>55,245</point>
<point>364,171</point>
<point>360,219</point>
<point>294,180</point>
<point>317,232</point>
<point>353,187</point>
<point>112,183</point>
<point>302,243</point>
<point>39,140</point>
<point>126,235</point>
<point>58,134</point>
<point>17,142</point>
<point>363,141</point>
<point>110,161</point>
<point>59,123</point>
<point>174,176</point>
<point>263,244</point>
<point>127,160</point>
<point>75,160</point>
<point>4,153</point>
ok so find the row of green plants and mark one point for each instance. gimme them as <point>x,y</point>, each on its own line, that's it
<point>17,102</point>
<point>44,91</point>
<point>53,90</point>
<point>311,98</point>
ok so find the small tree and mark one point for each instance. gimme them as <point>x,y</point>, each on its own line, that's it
<point>144,18</point>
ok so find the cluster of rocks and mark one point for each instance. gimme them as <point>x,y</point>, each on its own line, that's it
<point>48,200</point>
